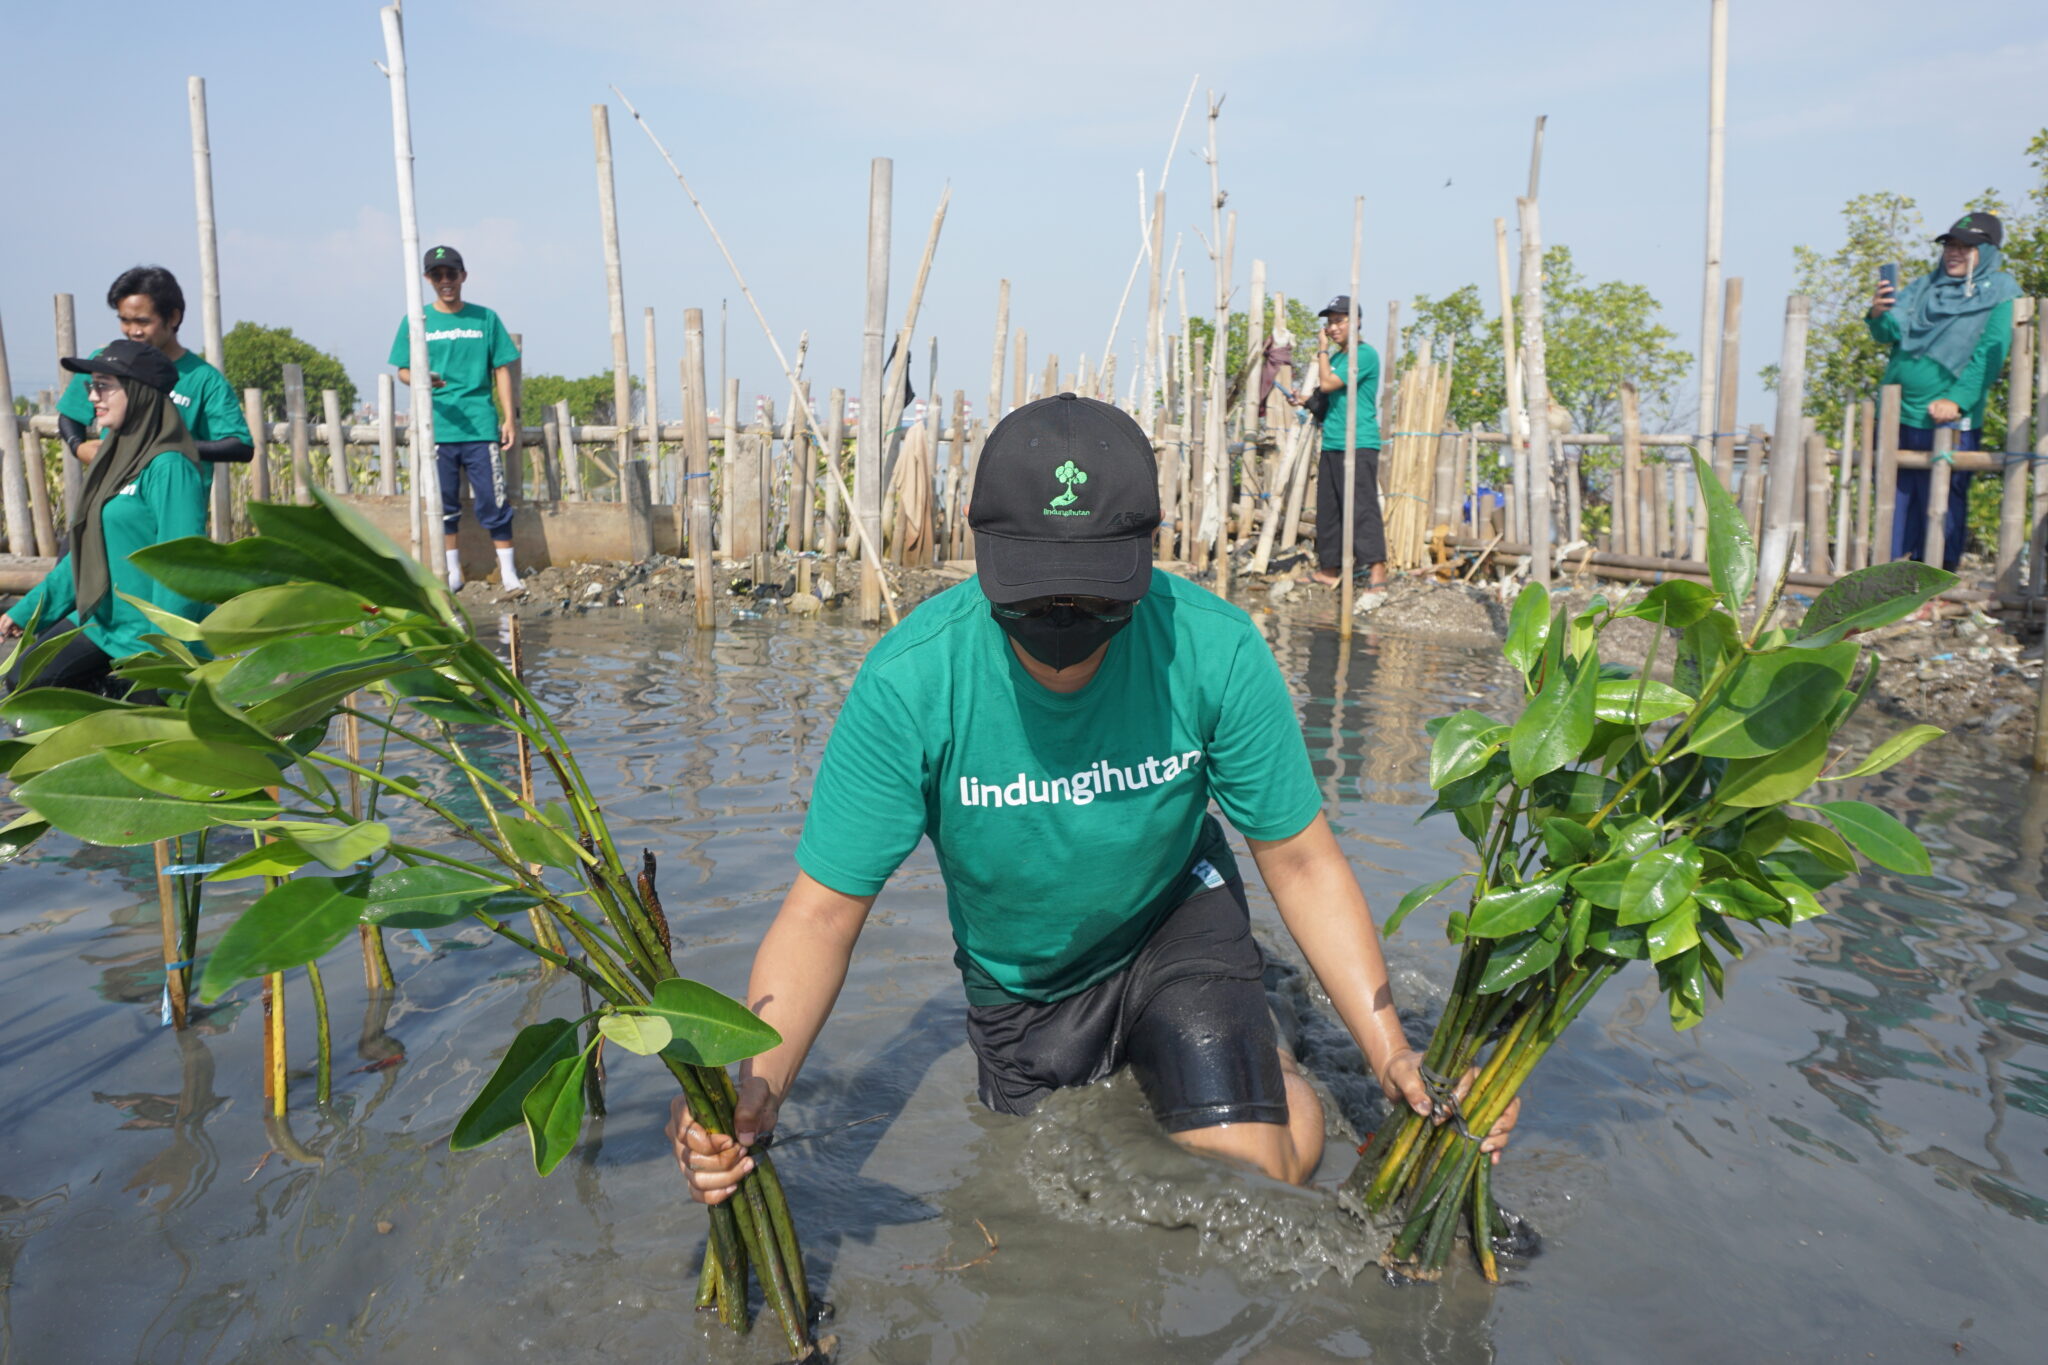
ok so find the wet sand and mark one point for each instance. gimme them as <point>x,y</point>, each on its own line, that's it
<point>1845,1162</point>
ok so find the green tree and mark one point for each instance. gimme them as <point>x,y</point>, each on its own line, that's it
<point>1458,328</point>
<point>590,398</point>
<point>256,356</point>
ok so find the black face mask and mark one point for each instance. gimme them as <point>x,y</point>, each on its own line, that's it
<point>1061,635</point>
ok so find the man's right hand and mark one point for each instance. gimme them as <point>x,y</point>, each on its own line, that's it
<point>9,628</point>
<point>1881,302</point>
<point>87,451</point>
<point>714,1163</point>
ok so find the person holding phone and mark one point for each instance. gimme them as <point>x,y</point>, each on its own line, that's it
<point>1948,332</point>
<point>470,354</point>
<point>1329,391</point>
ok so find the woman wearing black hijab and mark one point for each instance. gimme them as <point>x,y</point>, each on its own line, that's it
<point>147,486</point>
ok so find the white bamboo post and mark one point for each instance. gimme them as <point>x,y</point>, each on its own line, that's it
<point>21,533</point>
<point>1866,478</point>
<point>1845,470</point>
<point>1346,588</point>
<point>2038,535</point>
<point>892,385</point>
<point>803,464</point>
<point>835,447</point>
<point>259,441</point>
<point>1250,416</point>
<point>1628,517</point>
<point>70,474</point>
<point>1941,464</point>
<point>1155,337</point>
<point>1538,392</point>
<point>697,455</point>
<point>295,419</point>
<point>867,460</point>
<point>387,435</point>
<point>1729,389</point>
<point>1710,285</point>
<point>1215,436</point>
<point>615,289</point>
<point>420,429</point>
<point>1781,496</point>
<point>337,441</point>
<point>956,477</point>
<point>1001,353</point>
<point>2019,411</point>
<point>209,276</point>
<point>1890,399</point>
<point>1020,379</point>
<point>651,427</point>
<point>1815,519</point>
<point>1518,429</point>
<point>730,457</point>
<point>572,454</point>
<point>1389,358</point>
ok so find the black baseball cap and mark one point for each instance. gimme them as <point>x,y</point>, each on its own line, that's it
<point>1975,229</point>
<point>1339,307</point>
<point>442,255</point>
<point>1066,495</point>
<point>125,359</point>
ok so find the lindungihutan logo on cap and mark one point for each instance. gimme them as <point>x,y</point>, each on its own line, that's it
<point>1071,477</point>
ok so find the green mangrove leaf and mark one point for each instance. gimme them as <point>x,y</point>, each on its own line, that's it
<point>1615,700</point>
<point>1478,789</point>
<point>1509,910</point>
<point>434,895</point>
<point>711,1029</point>
<point>1462,745</point>
<point>1867,598</point>
<point>1577,927</point>
<point>428,587</point>
<point>1625,941</point>
<point>553,1111</point>
<point>39,655</point>
<point>133,767</point>
<point>1571,792</point>
<point>23,642</point>
<point>1632,838</point>
<point>264,860</point>
<point>89,800</point>
<point>1675,932</point>
<point>51,708</point>
<point>1602,882</point>
<point>439,698</point>
<point>1680,976</point>
<point>1473,823</point>
<point>210,571</point>
<point>1712,964</point>
<point>102,730</point>
<point>1764,831</point>
<point>496,1108</point>
<point>1558,723</point>
<point>1658,882</point>
<point>1738,899</point>
<point>1892,751</point>
<point>1415,899</point>
<point>345,558</point>
<point>1822,842</point>
<point>316,698</point>
<point>169,622</point>
<point>1877,836</point>
<point>277,667</point>
<point>1518,959</point>
<point>1528,629</point>
<point>165,645</point>
<point>1676,604</point>
<point>1771,700</point>
<point>217,720</point>
<point>645,1034</point>
<point>1731,550</point>
<point>19,834</point>
<point>340,847</point>
<point>1799,897</point>
<point>288,609</point>
<point>288,926</point>
<point>1775,778</point>
<point>533,842</point>
<point>206,764</point>
<point>1566,842</point>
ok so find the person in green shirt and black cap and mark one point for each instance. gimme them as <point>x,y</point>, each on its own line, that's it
<point>1330,393</point>
<point>470,354</point>
<point>1949,332</point>
<point>147,485</point>
<point>1057,726</point>
<point>151,307</point>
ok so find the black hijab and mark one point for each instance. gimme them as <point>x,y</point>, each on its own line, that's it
<point>153,427</point>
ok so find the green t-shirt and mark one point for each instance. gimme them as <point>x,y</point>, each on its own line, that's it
<point>1368,400</point>
<point>1066,826</point>
<point>463,347</point>
<point>203,398</point>
<point>166,501</point>
<point>1922,380</point>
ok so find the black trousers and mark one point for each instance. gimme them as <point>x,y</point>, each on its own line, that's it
<point>1368,531</point>
<point>81,665</point>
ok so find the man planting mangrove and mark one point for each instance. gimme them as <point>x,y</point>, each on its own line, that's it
<point>1058,727</point>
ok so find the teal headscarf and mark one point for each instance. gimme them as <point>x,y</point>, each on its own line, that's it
<point>1942,316</point>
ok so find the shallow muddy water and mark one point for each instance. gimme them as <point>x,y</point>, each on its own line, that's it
<point>1845,1162</point>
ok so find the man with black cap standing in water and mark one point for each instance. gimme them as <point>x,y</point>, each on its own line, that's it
<point>1368,532</point>
<point>470,354</point>
<point>1058,726</point>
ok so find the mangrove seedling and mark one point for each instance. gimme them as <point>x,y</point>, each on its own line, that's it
<point>1626,818</point>
<point>310,615</point>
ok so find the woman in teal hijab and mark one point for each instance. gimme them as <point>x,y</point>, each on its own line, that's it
<point>1949,332</point>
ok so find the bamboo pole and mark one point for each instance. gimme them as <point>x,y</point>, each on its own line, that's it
<point>1155,302</point>
<point>2038,536</point>
<point>337,442</point>
<point>1249,415</point>
<point>1866,477</point>
<point>420,431</point>
<point>956,477</point>
<point>1940,470</point>
<point>1020,381</point>
<point>1002,346</point>
<point>803,464</point>
<point>1348,563</point>
<point>615,288</point>
<point>387,435</point>
<point>892,384</point>
<point>1845,472</point>
<point>1710,286</point>
<point>1518,428</point>
<point>571,453</point>
<point>1889,401</point>
<point>71,474</point>
<point>209,279</point>
<point>651,428</point>
<point>1389,359</point>
<point>1815,518</point>
<point>1628,537</point>
<point>697,455</point>
<point>1217,499</point>
<point>295,419</point>
<point>259,441</point>
<point>1781,496</point>
<point>1538,392</point>
<point>867,460</point>
<point>835,447</point>
<point>2019,411</point>
<point>1729,389</point>
<point>14,494</point>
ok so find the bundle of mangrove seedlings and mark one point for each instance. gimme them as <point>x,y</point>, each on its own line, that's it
<point>1623,818</point>
<point>319,617</point>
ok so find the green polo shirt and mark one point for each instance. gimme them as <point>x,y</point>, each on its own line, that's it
<point>202,395</point>
<point>463,347</point>
<point>1922,381</point>
<point>1368,400</point>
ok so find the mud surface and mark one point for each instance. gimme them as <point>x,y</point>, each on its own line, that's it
<point>1847,1161</point>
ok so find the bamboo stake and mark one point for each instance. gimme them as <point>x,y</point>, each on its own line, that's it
<point>1347,588</point>
<point>803,467</point>
<point>1148,242</point>
<point>2019,411</point>
<point>1816,511</point>
<point>1781,496</point>
<point>956,477</point>
<point>1539,384</point>
<point>177,979</point>
<point>615,288</point>
<point>71,475</point>
<point>259,441</point>
<point>275,1082</point>
<point>1214,460</point>
<point>651,427</point>
<point>571,453</point>
<point>14,494</point>
<point>1844,473</point>
<point>835,448</point>
<point>892,385</point>
<point>1710,287</point>
<point>387,435</point>
<point>1753,478</point>
<point>1155,339</point>
<point>337,442</point>
<point>1866,476</point>
<point>209,278</point>
<point>1629,526</point>
<point>295,419</point>
<point>1518,432</point>
<point>1019,382</point>
<point>697,455</point>
<point>1940,470</point>
<point>421,429</point>
<point>2038,537</point>
<point>1729,390</point>
<point>1002,345</point>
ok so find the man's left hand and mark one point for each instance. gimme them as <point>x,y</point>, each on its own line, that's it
<point>1402,1082</point>
<point>508,437</point>
<point>1942,410</point>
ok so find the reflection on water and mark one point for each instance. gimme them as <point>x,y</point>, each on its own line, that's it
<point>1846,1161</point>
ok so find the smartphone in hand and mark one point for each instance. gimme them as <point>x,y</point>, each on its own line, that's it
<point>1888,273</point>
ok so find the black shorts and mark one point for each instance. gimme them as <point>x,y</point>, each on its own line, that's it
<point>1189,1015</point>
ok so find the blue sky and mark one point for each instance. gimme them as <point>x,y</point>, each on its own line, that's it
<point>1039,117</point>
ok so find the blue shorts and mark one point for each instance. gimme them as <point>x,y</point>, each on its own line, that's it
<point>479,460</point>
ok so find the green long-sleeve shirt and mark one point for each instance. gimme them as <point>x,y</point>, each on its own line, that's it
<point>166,501</point>
<point>1923,381</point>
